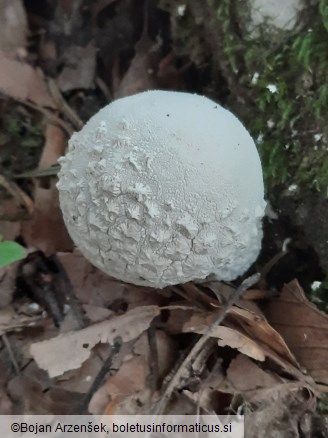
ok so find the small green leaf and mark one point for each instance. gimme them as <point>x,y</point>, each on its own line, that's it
<point>10,252</point>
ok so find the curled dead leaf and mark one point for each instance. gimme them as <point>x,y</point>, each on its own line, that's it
<point>304,328</point>
<point>234,339</point>
<point>75,347</point>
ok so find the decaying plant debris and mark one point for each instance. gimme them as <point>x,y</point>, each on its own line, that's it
<point>178,350</point>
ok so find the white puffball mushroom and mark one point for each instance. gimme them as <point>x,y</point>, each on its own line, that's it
<point>162,188</point>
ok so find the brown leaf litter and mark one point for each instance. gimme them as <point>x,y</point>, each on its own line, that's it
<point>94,287</point>
<point>12,319</point>
<point>260,352</point>
<point>234,339</point>
<point>79,69</point>
<point>128,326</point>
<point>13,29</point>
<point>129,390</point>
<point>30,397</point>
<point>304,328</point>
<point>266,398</point>
<point>54,147</point>
<point>141,74</point>
<point>47,214</point>
<point>21,199</point>
<point>22,82</point>
<point>244,330</point>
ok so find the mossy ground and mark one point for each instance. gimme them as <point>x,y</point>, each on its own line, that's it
<point>286,77</point>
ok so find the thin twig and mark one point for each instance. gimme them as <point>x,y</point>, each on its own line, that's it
<point>186,364</point>
<point>10,352</point>
<point>50,116</point>
<point>153,353</point>
<point>195,290</point>
<point>187,297</point>
<point>267,268</point>
<point>104,89</point>
<point>39,173</point>
<point>63,105</point>
<point>82,407</point>
<point>204,386</point>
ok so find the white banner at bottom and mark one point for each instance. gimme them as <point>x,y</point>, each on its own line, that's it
<point>136,426</point>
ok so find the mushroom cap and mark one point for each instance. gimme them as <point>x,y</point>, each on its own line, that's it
<point>162,188</point>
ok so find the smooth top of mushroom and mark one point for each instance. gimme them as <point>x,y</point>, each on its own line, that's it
<point>162,188</point>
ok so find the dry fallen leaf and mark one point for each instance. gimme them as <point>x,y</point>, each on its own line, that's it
<point>96,314</point>
<point>22,82</point>
<point>265,396</point>
<point>129,380</point>
<point>137,376</point>
<point>304,328</point>
<point>54,146</point>
<point>257,378</point>
<point>29,398</point>
<point>94,287</point>
<point>11,320</point>
<point>141,74</point>
<point>244,329</point>
<point>74,348</point>
<point>278,411</point>
<point>234,339</point>
<point>128,389</point>
<point>46,230</point>
<point>166,351</point>
<point>99,401</point>
<point>255,325</point>
<point>79,68</point>
<point>80,380</point>
<point>13,29</point>
<point>6,405</point>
